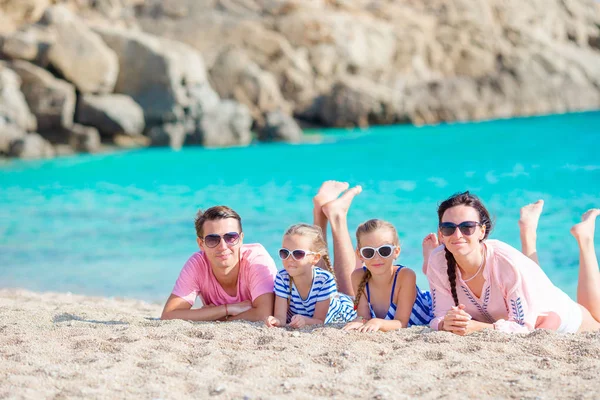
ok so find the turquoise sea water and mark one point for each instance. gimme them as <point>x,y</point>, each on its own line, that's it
<point>122,224</point>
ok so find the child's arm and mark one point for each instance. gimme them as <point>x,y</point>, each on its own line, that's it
<point>362,311</point>
<point>282,293</point>
<point>280,317</point>
<point>318,318</point>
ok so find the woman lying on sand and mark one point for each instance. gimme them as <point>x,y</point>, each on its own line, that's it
<point>387,297</point>
<point>478,283</point>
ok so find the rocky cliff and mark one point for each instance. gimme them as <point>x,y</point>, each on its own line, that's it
<point>75,74</point>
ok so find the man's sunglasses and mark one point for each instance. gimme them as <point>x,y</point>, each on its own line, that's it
<point>467,228</point>
<point>213,240</point>
<point>297,254</point>
<point>384,251</point>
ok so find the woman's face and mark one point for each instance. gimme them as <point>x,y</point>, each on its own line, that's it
<point>459,243</point>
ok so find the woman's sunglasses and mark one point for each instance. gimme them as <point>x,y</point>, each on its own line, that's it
<point>467,228</point>
<point>213,240</point>
<point>384,251</point>
<point>297,254</point>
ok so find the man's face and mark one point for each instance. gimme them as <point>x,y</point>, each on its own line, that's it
<point>226,251</point>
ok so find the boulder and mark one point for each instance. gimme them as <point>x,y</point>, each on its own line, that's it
<point>31,146</point>
<point>9,133</point>
<point>170,134</point>
<point>31,43</point>
<point>51,100</point>
<point>14,13</point>
<point>85,139</point>
<point>280,127</point>
<point>79,54</point>
<point>111,114</point>
<point>228,125</point>
<point>13,106</point>
<point>155,72</point>
<point>235,76</point>
<point>357,101</point>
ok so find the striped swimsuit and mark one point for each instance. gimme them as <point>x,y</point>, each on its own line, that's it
<point>421,312</point>
<point>341,307</point>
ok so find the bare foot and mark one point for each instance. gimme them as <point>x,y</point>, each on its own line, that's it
<point>340,206</point>
<point>329,191</point>
<point>530,215</point>
<point>429,243</point>
<point>585,229</point>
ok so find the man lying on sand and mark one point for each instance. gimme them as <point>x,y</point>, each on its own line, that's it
<point>234,280</point>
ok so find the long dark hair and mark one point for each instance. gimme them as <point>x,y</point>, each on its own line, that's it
<point>469,200</point>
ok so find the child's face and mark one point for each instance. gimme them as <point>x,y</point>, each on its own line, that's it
<point>304,265</point>
<point>378,264</point>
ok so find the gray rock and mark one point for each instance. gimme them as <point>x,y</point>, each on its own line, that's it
<point>13,106</point>
<point>112,114</point>
<point>228,125</point>
<point>31,146</point>
<point>169,134</point>
<point>235,76</point>
<point>80,54</point>
<point>51,100</point>
<point>280,127</point>
<point>84,139</point>
<point>155,72</point>
<point>9,133</point>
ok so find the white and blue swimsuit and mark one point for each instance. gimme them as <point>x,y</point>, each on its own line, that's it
<point>421,311</point>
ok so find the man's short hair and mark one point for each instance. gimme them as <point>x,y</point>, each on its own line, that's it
<point>212,214</point>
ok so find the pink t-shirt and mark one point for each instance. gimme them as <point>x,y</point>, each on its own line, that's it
<point>256,277</point>
<point>515,292</point>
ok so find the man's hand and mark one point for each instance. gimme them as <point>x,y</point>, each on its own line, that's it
<point>238,308</point>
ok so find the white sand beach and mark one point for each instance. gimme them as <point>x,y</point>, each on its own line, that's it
<point>69,346</point>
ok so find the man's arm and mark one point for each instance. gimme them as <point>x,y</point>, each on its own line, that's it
<point>178,308</point>
<point>262,307</point>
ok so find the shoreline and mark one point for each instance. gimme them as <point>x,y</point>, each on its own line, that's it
<point>65,345</point>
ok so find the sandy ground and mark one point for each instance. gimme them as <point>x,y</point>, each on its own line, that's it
<point>67,346</point>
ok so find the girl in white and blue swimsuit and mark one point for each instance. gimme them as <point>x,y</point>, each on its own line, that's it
<point>387,296</point>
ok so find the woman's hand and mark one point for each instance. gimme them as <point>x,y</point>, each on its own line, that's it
<point>372,325</point>
<point>298,321</point>
<point>271,321</point>
<point>458,321</point>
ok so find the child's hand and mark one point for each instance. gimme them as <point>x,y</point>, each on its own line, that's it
<point>298,321</point>
<point>271,321</point>
<point>353,325</point>
<point>372,325</point>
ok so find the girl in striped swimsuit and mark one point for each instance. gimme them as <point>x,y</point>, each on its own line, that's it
<point>304,293</point>
<point>387,297</point>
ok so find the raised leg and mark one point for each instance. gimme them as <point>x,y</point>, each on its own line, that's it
<point>429,243</point>
<point>329,191</point>
<point>530,216</point>
<point>588,286</point>
<point>344,258</point>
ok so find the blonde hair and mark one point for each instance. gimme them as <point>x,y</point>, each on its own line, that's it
<point>366,227</point>
<point>318,245</point>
